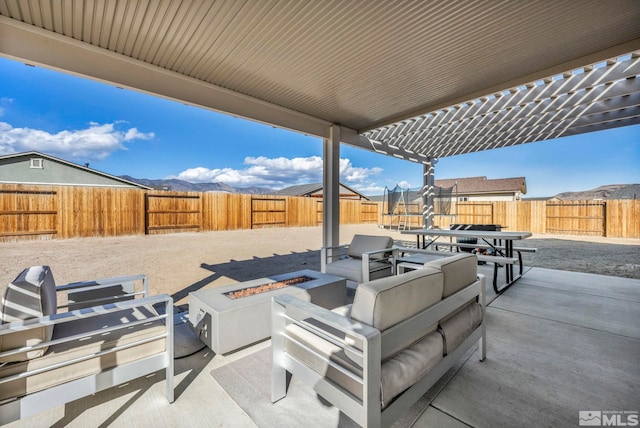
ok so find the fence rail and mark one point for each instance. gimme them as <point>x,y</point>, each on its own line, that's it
<point>60,212</point>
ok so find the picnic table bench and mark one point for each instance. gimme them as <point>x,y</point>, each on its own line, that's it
<point>505,254</point>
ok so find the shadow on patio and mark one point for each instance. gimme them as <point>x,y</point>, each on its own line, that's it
<point>558,343</point>
<point>245,270</point>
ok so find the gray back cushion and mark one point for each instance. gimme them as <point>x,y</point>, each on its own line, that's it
<point>363,243</point>
<point>459,271</point>
<point>31,295</point>
<point>385,302</point>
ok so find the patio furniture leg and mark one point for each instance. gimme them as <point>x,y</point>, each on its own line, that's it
<point>278,373</point>
<point>482,346</point>
<point>169,370</point>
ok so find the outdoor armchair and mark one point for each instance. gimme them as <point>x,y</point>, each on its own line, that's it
<point>110,333</point>
<point>374,360</point>
<point>367,257</point>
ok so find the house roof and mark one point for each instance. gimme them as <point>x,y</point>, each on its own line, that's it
<point>471,185</point>
<point>485,185</point>
<point>307,189</point>
<point>300,189</point>
<point>414,79</point>
<point>74,165</point>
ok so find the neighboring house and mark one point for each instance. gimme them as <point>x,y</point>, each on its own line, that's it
<point>473,189</point>
<point>314,190</point>
<point>38,169</point>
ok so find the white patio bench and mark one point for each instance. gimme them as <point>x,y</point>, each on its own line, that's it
<point>111,334</point>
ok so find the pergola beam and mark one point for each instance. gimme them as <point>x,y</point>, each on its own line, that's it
<point>587,98</point>
<point>516,97</point>
<point>596,57</point>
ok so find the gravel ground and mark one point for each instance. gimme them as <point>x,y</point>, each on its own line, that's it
<point>584,256</point>
<point>604,256</point>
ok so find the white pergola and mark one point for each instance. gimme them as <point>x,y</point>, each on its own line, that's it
<point>417,80</point>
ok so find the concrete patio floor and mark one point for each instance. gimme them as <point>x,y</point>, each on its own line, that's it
<point>558,343</point>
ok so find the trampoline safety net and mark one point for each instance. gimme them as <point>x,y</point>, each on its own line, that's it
<point>392,198</point>
<point>442,200</point>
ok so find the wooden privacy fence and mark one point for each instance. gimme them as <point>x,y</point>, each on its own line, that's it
<point>28,212</point>
<point>172,212</point>
<point>46,212</point>
<point>612,218</point>
<point>579,217</point>
<point>475,213</point>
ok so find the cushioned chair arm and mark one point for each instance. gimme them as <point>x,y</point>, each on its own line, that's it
<point>366,259</point>
<point>333,247</point>
<point>102,291</point>
<point>301,312</point>
<point>287,309</point>
<point>403,250</point>
<point>327,253</point>
<point>393,250</point>
<point>87,313</point>
<point>104,282</point>
<point>381,251</point>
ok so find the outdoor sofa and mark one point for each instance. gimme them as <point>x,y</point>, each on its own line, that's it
<point>111,333</point>
<point>377,357</point>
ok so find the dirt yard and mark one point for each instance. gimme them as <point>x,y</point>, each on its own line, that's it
<point>179,263</point>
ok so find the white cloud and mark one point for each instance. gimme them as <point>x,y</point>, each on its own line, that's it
<point>352,174</point>
<point>4,101</point>
<point>278,172</point>
<point>369,188</point>
<point>93,143</point>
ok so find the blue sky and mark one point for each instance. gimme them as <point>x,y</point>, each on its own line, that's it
<point>122,132</point>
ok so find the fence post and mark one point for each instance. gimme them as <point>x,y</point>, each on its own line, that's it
<point>145,212</point>
<point>604,219</point>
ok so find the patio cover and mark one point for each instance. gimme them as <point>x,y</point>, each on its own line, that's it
<point>412,79</point>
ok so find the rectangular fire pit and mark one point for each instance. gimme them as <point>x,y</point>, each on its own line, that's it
<point>233,316</point>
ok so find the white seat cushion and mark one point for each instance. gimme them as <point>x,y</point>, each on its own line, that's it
<point>405,368</point>
<point>351,269</point>
<point>458,327</point>
<point>140,341</point>
<point>397,373</point>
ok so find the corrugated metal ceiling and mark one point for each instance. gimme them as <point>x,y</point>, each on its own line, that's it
<point>362,64</point>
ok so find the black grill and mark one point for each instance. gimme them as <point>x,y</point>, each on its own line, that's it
<point>489,227</point>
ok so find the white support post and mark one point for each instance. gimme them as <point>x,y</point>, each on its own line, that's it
<point>428,192</point>
<point>331,186</point>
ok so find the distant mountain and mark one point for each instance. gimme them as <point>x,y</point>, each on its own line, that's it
<point>611,191</point>
<point>186,186</point>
